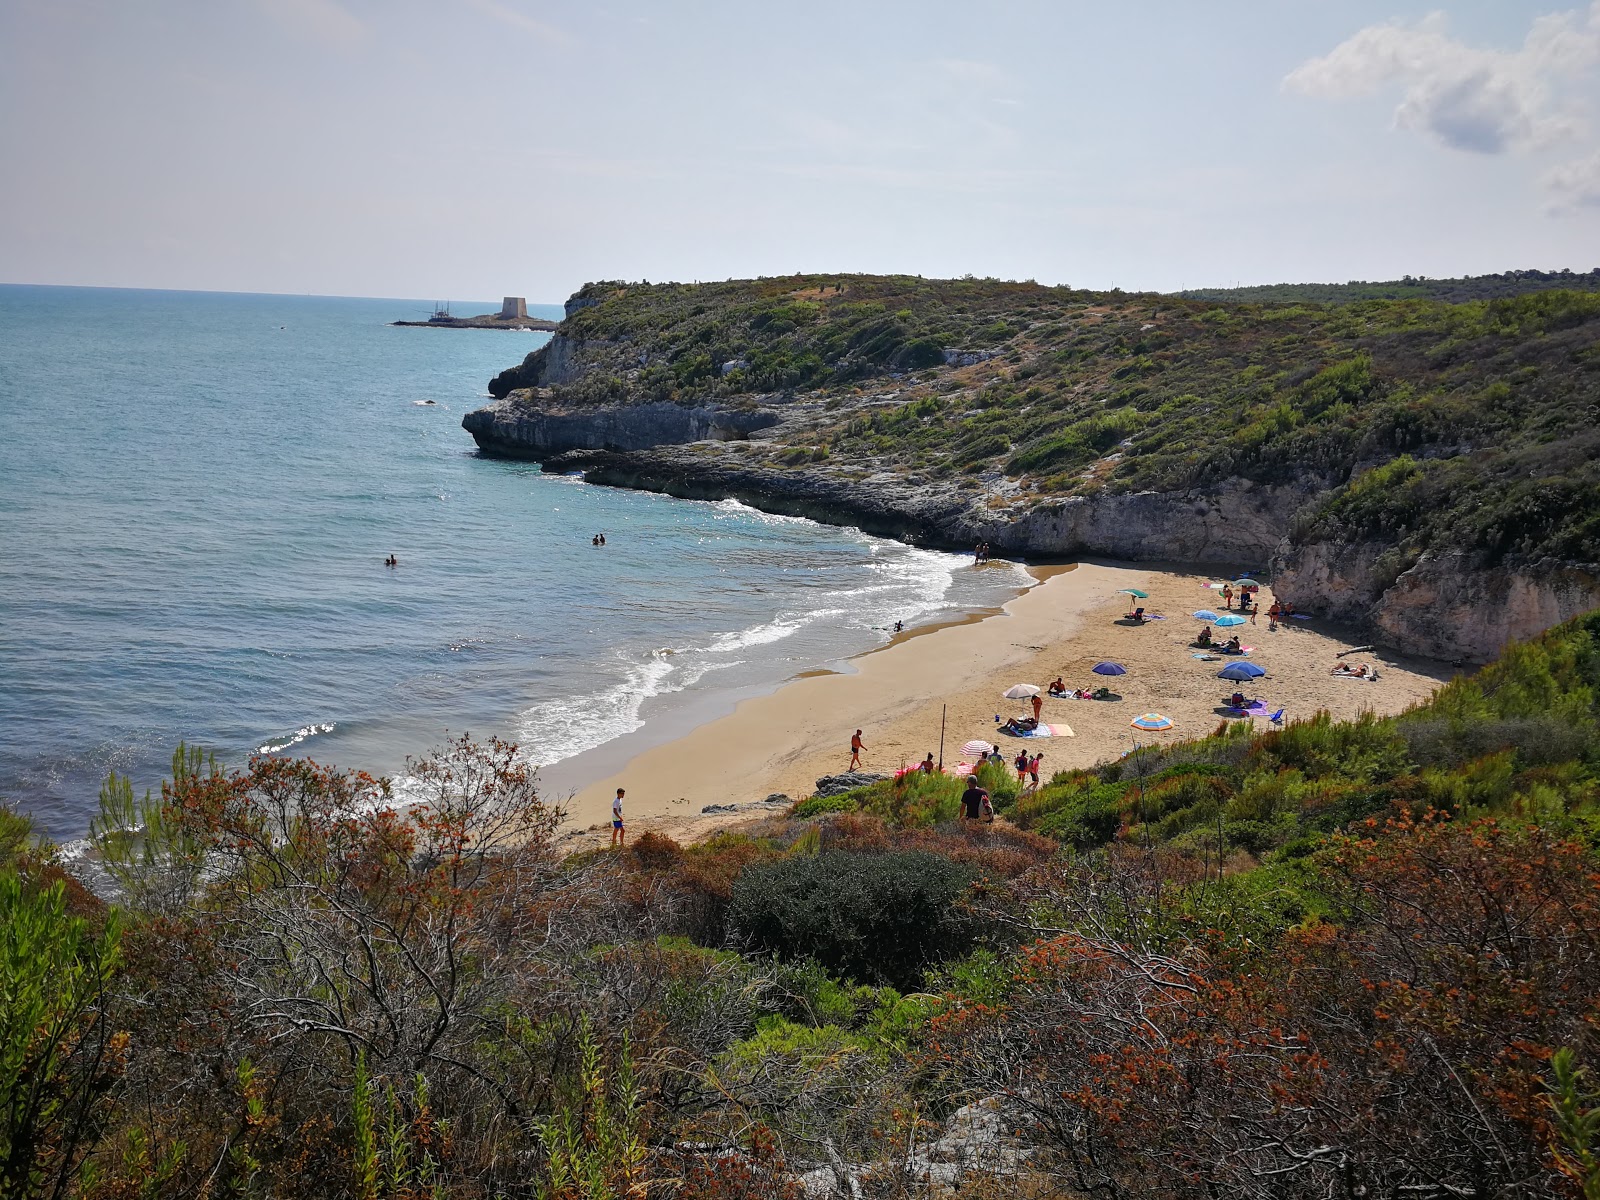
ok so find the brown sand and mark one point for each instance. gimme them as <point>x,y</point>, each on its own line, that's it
<point>784,741</point>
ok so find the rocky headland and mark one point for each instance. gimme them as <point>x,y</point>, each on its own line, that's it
<point>1395,471</point>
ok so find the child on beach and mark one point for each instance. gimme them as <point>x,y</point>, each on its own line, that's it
<point>616,819</point>
<point>1022,766</point>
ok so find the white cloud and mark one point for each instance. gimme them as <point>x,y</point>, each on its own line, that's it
<point>1465,97</point>
<point>1575,184</point>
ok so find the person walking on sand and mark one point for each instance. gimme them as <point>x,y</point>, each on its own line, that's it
<point>616,820</point>
<point>856,747</point>
<point>1033,769</point>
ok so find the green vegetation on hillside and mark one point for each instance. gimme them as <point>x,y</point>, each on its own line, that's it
<point>1343,958</point>
<point>1470,287</point>
<point>1469,425</point>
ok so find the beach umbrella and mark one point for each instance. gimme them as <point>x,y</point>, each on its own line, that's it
<point>976,747</point>
<point>1020,691</point>
<point>1205,614</point>
<point>1109,668</point>
<point>1136,592</point>
<point>1247,581</point>
<point>1230,619</point>
<point>1152,721</point>
<point>1241,671</point>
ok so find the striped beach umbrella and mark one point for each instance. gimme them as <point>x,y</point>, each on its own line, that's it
<point>1152,720</point>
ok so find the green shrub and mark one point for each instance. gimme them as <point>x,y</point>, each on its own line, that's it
<point>876,918</point>
<point>816,806</point>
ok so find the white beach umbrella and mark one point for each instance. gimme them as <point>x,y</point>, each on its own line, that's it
<point>1020,691</point>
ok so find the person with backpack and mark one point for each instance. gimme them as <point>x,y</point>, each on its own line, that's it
<point>975,800</point>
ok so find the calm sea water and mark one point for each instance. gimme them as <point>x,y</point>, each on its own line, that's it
<point>197,492</point>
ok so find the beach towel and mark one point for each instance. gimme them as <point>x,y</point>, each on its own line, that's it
<point>1045,730</point>
<point>1301,616</point>
<point>1207,657</point>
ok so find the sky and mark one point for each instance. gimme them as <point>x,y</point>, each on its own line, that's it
<point>479,148</point>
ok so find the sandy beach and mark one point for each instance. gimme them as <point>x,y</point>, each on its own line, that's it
<point>1070,620</point>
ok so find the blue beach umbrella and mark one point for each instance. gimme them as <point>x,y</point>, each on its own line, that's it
<point>1230,619</point>
<point>1109,668</point>
<point>1241,671</point>
<point>1205,614</point>
<point>1152,721</point>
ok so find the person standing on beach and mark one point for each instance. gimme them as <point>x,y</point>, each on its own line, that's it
<point>1033,769</point>
<point>1038,707</point>
<point>1227,595</point>
<point>1022,766</point>
<point>856,747</point>
<point>616,819</point>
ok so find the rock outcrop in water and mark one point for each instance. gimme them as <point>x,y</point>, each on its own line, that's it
<point>798,399</point>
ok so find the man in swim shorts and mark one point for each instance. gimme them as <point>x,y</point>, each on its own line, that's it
<point>616,819</point>
<point>856,747</point>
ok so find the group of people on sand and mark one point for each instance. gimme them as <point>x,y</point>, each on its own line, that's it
<point>1061,691</point>
<point>1232,646</point>
<point>1246,595</point>
<point>980,552</point>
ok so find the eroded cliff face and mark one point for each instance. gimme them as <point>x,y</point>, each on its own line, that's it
<point>1446,606</point>
<point>1235,524</point>
<point>520,427</point>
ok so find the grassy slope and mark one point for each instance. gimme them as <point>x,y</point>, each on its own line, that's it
<point>1488,406</point>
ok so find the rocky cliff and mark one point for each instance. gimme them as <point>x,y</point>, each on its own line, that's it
<point>1384,465</point>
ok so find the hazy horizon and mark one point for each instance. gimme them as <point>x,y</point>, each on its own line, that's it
<point>509,147</point>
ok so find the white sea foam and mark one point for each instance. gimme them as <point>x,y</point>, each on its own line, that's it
<point>300,735</point>
<point>739,508</point>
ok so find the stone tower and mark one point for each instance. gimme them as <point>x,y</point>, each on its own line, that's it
<point>514,306</point>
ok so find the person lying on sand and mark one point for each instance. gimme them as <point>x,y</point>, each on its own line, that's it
<point>1361,672</point>
<point>1232,646</point>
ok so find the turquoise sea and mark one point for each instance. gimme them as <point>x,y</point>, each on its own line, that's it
<point>197,492</point>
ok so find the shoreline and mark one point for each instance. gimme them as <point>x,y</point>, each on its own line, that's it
<point>782,740</point>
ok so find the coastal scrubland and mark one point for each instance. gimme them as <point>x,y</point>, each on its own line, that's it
<point>1343,958</point>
